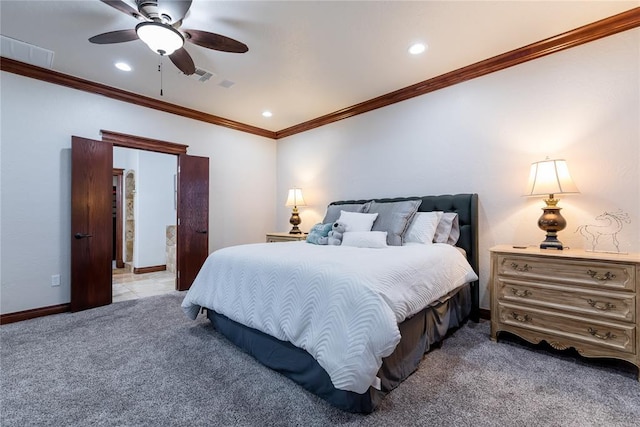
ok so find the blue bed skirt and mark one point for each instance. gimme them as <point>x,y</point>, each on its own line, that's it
<point>419,333</point>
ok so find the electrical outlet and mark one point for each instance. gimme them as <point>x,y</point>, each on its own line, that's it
<point>55,280</point>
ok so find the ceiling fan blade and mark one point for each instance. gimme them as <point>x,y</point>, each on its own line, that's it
<point>123,7</point>
<point>176,9</point>
<point>183,61</point>
<point>215,41</point>
<point>115,37</point>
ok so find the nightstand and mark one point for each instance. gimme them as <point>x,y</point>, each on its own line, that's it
<point>568,298</point>
<point>285,237</point>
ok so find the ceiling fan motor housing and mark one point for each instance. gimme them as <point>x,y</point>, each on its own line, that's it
<point>149,9</point>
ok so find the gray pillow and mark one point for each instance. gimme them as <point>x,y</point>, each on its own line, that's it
<point>394,218</point>
<point>333,211</point>
<point>448,230</point>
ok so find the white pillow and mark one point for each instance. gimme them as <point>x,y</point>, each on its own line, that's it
<point>355,221</point>
<point>423,227</point>
<point>365,239</point>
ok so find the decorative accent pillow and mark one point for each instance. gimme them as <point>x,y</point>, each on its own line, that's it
<point>423,227</point>
<point>394,218</point>
<point>333,211</point>
<point>318,234</point>
<point>355,221</point>
<point>365,239</point>
<point>448,230</point>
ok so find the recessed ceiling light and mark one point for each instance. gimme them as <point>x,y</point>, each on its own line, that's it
<point>417,48</point>
<point>267,114</point>
<point>123,66</point>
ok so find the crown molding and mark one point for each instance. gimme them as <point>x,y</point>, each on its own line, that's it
<point>587,33</point>
<point>606,27</point>
<point>50,76</point>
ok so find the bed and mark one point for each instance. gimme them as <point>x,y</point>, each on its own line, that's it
<point>348,323</point>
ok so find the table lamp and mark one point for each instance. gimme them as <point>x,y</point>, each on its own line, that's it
<point>550,178</point>
<point>295,199</point>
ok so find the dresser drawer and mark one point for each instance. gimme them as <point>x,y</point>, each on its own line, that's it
<point>616,336</point>
<point>572,271</point>
<point>585,301</point>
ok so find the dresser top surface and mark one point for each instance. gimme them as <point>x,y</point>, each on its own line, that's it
<point>567,253</point>
<point>287,234</point>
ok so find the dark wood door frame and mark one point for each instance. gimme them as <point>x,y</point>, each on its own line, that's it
<point>118,175</point>
<point>141,143</point>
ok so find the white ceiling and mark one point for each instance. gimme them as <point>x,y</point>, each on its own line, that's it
<point>306,58</point>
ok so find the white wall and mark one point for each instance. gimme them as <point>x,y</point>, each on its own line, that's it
<point>37,122</point>
<point>154,207</point>
<point>154,201</point>
<point>481,136</point>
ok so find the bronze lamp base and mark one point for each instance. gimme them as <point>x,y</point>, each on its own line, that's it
<point>295,221</point>
<point>551,221</point>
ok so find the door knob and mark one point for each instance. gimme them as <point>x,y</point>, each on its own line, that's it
<point>201,231</point>
<point>81,235</point>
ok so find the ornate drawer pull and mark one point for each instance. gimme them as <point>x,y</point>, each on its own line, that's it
<point>606,276</point>
<point>603,306</point>
<point>516,267</point>
<point>607,336</point>
<point>520,318</point>
<point>520,293</point>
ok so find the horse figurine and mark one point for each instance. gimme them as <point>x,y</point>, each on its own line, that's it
<point>611,228</point>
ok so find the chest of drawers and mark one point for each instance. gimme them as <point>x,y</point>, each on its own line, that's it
<point>568,298</point>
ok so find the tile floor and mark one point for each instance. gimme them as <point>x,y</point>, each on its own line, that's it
<point>128,286</point>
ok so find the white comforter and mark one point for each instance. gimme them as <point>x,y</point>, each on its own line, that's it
<point>341,304</point>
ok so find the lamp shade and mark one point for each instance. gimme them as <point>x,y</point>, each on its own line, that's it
<point>550,177</point>
<point>295,198</point>
<point>162,39</point>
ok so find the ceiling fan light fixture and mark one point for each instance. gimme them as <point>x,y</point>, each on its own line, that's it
<point>161,38</point>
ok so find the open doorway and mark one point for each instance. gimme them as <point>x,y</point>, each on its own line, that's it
<point>91,214</point>
<point>145,221</point>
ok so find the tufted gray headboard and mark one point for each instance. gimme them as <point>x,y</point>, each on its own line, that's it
<point>466,206</point>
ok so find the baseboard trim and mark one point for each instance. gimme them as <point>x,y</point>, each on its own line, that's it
<point>485,314</point>
<point>151,269</point>
<point>19,316</point>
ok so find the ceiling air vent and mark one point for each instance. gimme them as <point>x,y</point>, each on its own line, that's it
<point>226,83</point>
<point>202,75</point>
<point>25,52</point>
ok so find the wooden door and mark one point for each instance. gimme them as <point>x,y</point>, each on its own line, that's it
<point>193,218</point>
<point>91,223</point>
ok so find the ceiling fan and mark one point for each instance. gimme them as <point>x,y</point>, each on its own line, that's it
<point>160,30</point>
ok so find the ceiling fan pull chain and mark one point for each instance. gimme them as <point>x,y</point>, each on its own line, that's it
<point>160,70</point>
